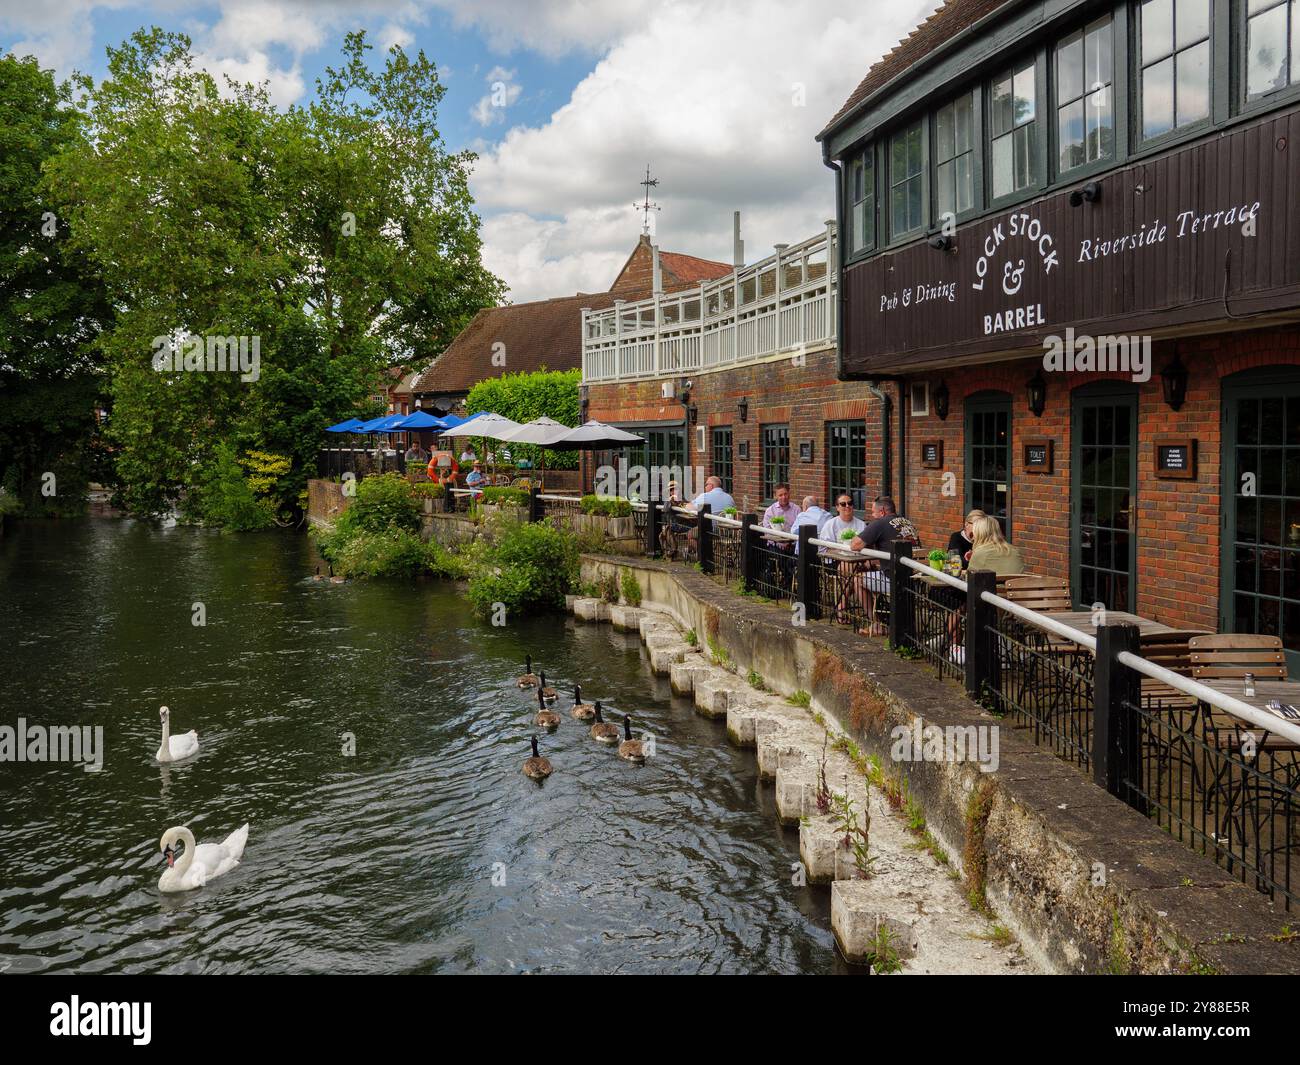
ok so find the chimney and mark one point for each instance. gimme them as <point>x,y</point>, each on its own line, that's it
<point>737,245</point>
<point>658,286</point>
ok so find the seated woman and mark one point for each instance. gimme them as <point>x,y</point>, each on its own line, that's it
<point>991,550</point>
<point>963,540</point>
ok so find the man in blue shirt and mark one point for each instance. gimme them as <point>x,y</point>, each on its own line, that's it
<point>713,494</point>
<point>812,514</point>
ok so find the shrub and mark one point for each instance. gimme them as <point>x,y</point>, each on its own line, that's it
<point>383,502</point>
<point>608,506</point>
<point>226,497</point>
<point>609,588</point>
<point>428,490</point>
<point>631,588</point>
<point>530,568</point>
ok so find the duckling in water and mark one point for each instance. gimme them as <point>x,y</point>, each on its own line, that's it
<point>630,749</point>
<point>602,731</point>
<point>529,679</point>
<point>548,693</point>
<point>547,719</point>
<point>582,711</point>
<point>537,767</point>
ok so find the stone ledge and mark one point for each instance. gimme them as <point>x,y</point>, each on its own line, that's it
<point>1047,822</point>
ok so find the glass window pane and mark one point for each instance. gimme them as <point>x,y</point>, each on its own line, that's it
<point>944,189</point>
<point>1295,40</point>
<point>914,152</point>
<point>1266,52</point>
<point>1026,155</point>
<point>898,211</point>
<point>1101,125</point>
<point>963,113</point>
<point>1099,66</point>
<point>1194,84</point>
<point>945,139</point>
<point>1069,68</point>
<point>1157,29</point>
<point>1024,84</point>
<point>1003,178</point>
<point>1158,99</point>
<point>1070,133</point>
<point>1001,111</point>
<point>1192,21</point>
<point>914,203</point>
<point>897,157</point>
<point>965,184</point>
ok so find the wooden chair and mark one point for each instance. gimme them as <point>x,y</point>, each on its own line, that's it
<point>1172,650</point>
<point>1230,656</point>
<point>1044,595</point>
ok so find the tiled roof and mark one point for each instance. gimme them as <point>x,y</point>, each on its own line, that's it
<point>691,268</point>
<point>545,333</point>
<point>951,19</point>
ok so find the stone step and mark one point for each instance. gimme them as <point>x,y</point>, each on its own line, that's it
<point>714,691</point>
<point>626,618</point>
<point>867,916</point>
<point>652,621</point>
<point>684,673</point>
<point>666,655</point>
<point>784,743</point>
<point>796,792</point>
<point>591,609</point>
<point>822,851</point>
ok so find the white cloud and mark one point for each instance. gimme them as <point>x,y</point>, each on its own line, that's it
<point>502,92</point>
<point>707,95</point>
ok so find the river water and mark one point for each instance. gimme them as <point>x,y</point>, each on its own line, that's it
<point>425,851</point>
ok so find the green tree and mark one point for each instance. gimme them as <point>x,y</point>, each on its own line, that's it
<point>51,304</point>
<point>340,237</point>
<point>522,397</point>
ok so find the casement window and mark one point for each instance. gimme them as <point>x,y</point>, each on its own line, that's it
<point>954,157</point>
<point>1013,130</point>
<point>720,455</point>
<point>906,180</point>
<point>846,458</point>
<point>1174,61</point>
<point>1272,46</point>
<point>1085,95</point>
<point>776,459</point>
<point>862,201</point>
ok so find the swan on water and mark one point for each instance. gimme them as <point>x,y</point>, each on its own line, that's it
<point>174,748</point>
<point>198,863</point>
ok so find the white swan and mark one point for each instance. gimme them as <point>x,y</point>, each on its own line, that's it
<point>174,748</point>
<point>200,862</point>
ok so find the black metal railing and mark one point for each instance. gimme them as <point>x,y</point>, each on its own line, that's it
<point>772,564</point>
<point>935,612</point>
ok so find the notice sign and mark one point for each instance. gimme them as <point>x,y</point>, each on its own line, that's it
<point>1038,456</point>
<point>932,454</point>
<point>1176,457</point>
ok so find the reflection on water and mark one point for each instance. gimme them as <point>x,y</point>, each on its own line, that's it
<point>428,851</point>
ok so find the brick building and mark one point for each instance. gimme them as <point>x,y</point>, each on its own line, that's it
<point>525,337</point>
<point>1065,276</point>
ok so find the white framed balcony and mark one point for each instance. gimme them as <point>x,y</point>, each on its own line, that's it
<point>783,303</point>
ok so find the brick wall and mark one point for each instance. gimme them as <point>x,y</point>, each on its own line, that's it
<point>803,395</point>
<point>1177,520</point>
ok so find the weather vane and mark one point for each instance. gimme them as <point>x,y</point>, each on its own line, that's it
<point>646,207</point>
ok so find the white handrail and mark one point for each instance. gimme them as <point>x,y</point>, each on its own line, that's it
<point>722,519</point>
<point>560,499</point>
<point>1038,620</point>
<point>1279,726</point>
<point>866,552</point>
<point>773,533</point>
<point>930,571</point>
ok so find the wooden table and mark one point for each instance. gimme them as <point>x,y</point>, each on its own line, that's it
<point>1081,621</point>
<point>1284,691</point>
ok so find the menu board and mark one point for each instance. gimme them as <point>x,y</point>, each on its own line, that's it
<point>1038,455</point>
<point>932,454</point>
<point>1176,457</point>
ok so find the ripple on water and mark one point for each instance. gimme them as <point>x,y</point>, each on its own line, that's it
<point>427,850</point>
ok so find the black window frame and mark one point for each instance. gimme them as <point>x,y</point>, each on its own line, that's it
<point>722,456</point>
<point>1138,67</point>
<point>866,160</point>
<point>1116,88</point>
<point>1265,101</point>
<point>775,469</point>
<point>975,152</point>
<point>1039,152</point>
<point>840,448</point>
<point>920,125</point>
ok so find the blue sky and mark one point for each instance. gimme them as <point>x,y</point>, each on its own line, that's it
<point>722,97</point>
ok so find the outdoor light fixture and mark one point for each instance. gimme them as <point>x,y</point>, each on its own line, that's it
<point>939,394</point>
<point>1173,381</point>
<point>694,412</point>
<point>1037,394</point>
<point>940,242</point>
<point>1090,193</point>
<point>742,408</point>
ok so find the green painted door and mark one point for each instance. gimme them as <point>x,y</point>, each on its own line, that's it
<point>1259,589</point>
<point>1103,496</point>
<point>988,456</point>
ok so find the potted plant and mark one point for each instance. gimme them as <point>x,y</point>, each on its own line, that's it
<point>778,522</point>
<point>730,512</point>
<point>937,558</point>
<point>847,535</point>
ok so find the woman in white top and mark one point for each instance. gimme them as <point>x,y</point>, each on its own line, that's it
<point>843,521</point>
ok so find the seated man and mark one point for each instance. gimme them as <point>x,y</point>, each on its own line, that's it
<point>476,479</point>
<point>786,513</point>
<point>713,494</point>
<point>887,525</point>
<point>676,530</point>
<point>811,514</point>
